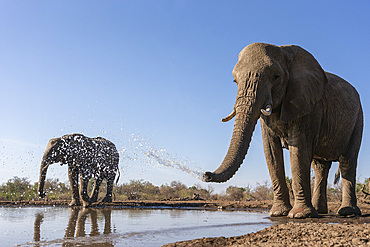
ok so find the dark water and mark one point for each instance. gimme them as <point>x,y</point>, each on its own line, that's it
<point>56,226</point>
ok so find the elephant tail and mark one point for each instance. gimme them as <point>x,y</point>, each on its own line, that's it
<point>337,176</point>
<point>119,174</point>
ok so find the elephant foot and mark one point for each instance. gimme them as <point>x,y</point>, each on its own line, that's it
<point>302,211</point>
<point>86,204</point>
<point>321,209</point>
<point>280,209</point>
<point>349,211</point>
<point>107,199</point>
<point>92,200</point>
<point>74,203</point>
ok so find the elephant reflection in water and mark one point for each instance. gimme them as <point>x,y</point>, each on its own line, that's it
<point>36,228</point>
<point>76,227</point>
<point>79,219</point>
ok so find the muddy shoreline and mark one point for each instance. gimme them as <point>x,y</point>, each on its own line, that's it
<point>327,230</point>
<point>219,205</point>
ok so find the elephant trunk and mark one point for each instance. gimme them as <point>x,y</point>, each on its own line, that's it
<point>247,115</point>
<point>43,170</point>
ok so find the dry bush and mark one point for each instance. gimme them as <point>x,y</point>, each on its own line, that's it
<point>262,192</point>
<point>235,193</point>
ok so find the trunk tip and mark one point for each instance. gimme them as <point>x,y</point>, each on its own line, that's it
<point>213,177</point>
<point>208,177</point>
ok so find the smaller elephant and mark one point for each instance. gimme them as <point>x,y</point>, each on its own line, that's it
<point>86,157</point>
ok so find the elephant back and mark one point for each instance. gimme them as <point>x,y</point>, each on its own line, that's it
<point>97,153</point>
<point>107,156</point>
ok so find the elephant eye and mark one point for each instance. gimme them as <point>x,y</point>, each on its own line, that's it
<point>276,77</point>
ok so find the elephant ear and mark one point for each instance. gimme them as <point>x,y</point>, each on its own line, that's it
<point>306,83</point>
<point>52,143</point>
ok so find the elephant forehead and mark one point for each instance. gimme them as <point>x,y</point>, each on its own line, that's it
<point>251,67</point>
<point>260,54</point>
<point>260,49</point>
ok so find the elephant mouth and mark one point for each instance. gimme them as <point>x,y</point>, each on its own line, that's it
<point>265,111</point>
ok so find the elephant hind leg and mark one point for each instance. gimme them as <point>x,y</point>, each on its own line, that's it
<point>319,198</point>
<point>108,196</point>
<point>348,165</point>
<point>349,200</point>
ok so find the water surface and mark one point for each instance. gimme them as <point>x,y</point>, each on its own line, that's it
<point>59,226</point>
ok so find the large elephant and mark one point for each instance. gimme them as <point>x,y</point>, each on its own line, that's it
<point>314,114</point>
<point>88,157</point>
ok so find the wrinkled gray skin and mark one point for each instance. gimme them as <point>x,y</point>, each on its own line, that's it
<point>316,115</point>
<point>88,157</point>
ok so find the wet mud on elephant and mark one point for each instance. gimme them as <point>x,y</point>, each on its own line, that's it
<point>86,158</point>
<point>314,114</point>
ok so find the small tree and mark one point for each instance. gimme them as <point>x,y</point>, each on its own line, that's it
<point>235,193</point>
<point>248,192</point>
<point>198,192</point>
<point>17,189</point>
<point>150,191</point>
<point>56,189</point>
<point>210,190</point>
<point>132,190</point>
<point>166,191</point>
<point>334,193</point>
<point>263,192</point>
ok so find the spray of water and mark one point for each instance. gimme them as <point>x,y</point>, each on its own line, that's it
<point>160,157</point>
<point>163,161</point>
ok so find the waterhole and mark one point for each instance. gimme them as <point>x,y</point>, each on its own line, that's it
<point>61,226</point>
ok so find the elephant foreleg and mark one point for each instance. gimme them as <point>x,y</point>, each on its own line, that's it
<point>71,228</point>
<point>83,191</point>
<point>275,162</point>
<point>73,180</point>
<point>81,222</point>
<point>108,196</point>
<point>319,199</point>
<point>300,159</point>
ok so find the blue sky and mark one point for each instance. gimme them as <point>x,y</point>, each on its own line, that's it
<point>156,75</point>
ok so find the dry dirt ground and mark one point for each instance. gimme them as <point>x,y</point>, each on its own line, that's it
<point>328,230</point>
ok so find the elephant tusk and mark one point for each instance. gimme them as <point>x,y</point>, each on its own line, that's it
<point>228,118</point>
<point>267,111</point>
